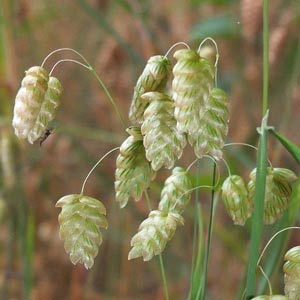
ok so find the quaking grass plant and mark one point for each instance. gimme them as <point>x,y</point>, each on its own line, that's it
<point>175,102</point>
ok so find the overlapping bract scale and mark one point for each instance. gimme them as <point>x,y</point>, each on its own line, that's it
<point>163,143</point>
<point>153,234</point>
<point>80,221</point>
<point>176,193</point>
<point>291,271</point>
<point>278,191</point>
<point>133,173</point>
<point>29,100</point>
<point>236,200</point>
<point>209,139</point>
<point>153,78</point>
<point>192,84</point>
<point>47,112</point>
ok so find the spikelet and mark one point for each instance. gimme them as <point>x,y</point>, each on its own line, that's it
<point>48,109</point>
<point>192,84</point>
<point>277,194</point>
<point>236,200</point>
<point>29,100</point>
<point>80,221</point>
<point>154,78</point>
<point>291,271</point>
<point>209,139</point>
<point>153,234</point>
<point>133,172</point>
<point>162,142</point>
<point>270,297</point>
<point>176,194</point>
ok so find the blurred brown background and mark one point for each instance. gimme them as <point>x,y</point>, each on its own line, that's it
<point>117,38</point>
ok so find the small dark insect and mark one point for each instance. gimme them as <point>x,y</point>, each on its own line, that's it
<point>45,136</point>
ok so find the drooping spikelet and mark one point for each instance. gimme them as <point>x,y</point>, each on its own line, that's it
<point>236,200</point>
<point>29,100</point>
<point>154,78</point>
<point>48,109</point>
<point>192,84</point>
<point>133,172</point>
<point>163,143</point>
<point>176,193</point>
<point>277,194</point>
<point>291,271</point>
<point>209,139</point>
<point>154,233</point>
<point>270,297</point>
<point>80,221</point>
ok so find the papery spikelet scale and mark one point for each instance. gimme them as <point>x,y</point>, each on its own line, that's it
<point>80,221</point>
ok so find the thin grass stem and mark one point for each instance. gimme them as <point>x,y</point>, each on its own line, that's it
<point>95,166</point>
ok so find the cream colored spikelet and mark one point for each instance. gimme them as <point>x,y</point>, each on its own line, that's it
<point>291,271</point>
<point>270,297</point>
<point>153,234</point>
<point>192,84</point>
<point>210,137</point>
<point>163,143</point>
<point>80,221</point>
<point>176,193</point>
<point>133,171</point>
<point>153,78</point>
<point>29,100</point>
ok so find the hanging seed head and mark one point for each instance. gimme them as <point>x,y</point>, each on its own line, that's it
<point>192,84</point>
<point>154,78</point>
<point>209,139</point>
<point>153,234</point>
<point>278,191</point>
<point>162,142</point>
<point>133,172</point>
<point>236,200</point>
<point>208,52</point>
<point>80,221</point>
<point>176,193</point>
<point>270,297</point>
<point>47,111</point>
<point>29,100</point>
<point>291,271</point>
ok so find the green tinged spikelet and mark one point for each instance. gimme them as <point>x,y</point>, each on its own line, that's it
<point>278,191</point>
<point>192,84</point>
<point>153,234</point>
<point>80,221</point>
<point>47,112</point>
<point>154,78</point>
<point>236,200</point>
<point>176,193</point>
<point>209,139</point>
<point>133,171</point>
<point>291,270</point>
<point>29,100</point>
<point>163,143</point>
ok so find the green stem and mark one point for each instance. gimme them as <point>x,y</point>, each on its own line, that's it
<point>261,170</point>
<point>257,220</point>
<point>161,262</point>
<point>209,235</point>
<point>265,56</point>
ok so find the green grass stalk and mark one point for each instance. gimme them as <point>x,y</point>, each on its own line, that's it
<point>209,235</point>
<point>261,173</point>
